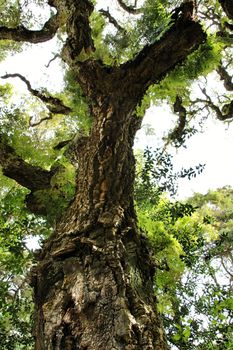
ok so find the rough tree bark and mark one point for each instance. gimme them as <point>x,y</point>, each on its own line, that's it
<point>93,284</point>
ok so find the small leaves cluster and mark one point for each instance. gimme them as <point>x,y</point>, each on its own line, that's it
<point>16,227</point>
<point>55,200</point>
<point>178,81</point>
<point>75,99</point>
<point>156,171</point>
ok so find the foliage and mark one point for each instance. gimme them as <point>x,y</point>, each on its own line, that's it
<point>155,175</point>
<point>178,81</point>
<point>154,22</point>
<point>16,227</point>
<point>55,200</point>
<point>74,98</point>
<point>191,242</point>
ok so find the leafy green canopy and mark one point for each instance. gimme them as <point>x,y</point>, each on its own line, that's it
<point>191,243</point>
<point>17,226</point>
<point>145,29</point>
<point>187,243</point>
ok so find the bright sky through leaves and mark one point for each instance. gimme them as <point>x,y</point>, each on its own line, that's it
<point>212,147</point>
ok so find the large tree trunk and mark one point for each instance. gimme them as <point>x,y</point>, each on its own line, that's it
<point>94,282</point>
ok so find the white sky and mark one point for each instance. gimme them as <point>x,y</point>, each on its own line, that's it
<point>213,147</point>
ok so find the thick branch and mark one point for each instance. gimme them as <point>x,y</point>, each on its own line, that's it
<point>54,104</point>
<point>130,9</point>
<point>156,60</point>
<point>78,29</point>
<point>32,177</point>
<point>73,14</point>
<point>227,6</point>
<point>178,132</point>
<point>187,10</point>
<point>21,33</point>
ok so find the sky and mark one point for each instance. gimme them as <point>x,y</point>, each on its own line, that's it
<point>212,147</point>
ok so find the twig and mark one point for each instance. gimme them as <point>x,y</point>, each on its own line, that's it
<point>54,104</point>
<point>112,20</point>
<point>50,116</point>
<point>52,59</point>
<point>227,109</point>
<point>130,9</point>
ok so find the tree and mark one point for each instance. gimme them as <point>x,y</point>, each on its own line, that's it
<point>93,282</point>
<point>193,253</point>
<point>201,302</point>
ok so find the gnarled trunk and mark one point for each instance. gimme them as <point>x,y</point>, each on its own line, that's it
<point>94,282</point>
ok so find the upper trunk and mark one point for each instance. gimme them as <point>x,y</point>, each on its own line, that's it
<point>105,171</point>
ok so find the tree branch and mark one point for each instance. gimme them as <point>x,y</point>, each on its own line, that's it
<point>32,124</point>
<point>13,166</point>
<point>187,10</point>
<point>78,29</point>
<point>21,33</point>
<point>73,14</point>
<point>131,79</point>
<point>54,104</point>
<point>227,6</point>
<point>130,9</point>
<point>227,110</point>
<point>157,59</point>
<point>34,178</point>
<point>112,20</point>
<point>225,76</point>
<point>178,132</point>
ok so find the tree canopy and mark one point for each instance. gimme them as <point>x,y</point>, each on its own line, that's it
<point>56,149</point>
